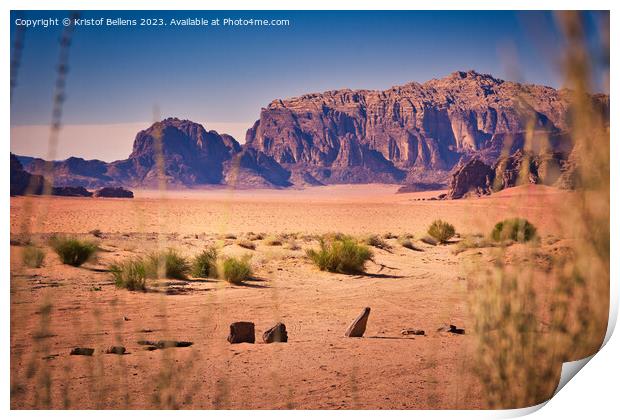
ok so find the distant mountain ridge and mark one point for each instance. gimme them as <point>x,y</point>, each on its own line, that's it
<point>414,133</point>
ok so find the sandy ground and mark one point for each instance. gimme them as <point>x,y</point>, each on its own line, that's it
<point>56,307</point>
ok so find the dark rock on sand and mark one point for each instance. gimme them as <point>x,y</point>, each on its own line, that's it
<point>451,329</point>
<point>358,326</point>
<point>116,350</point>
<point>164,344</point>
<point>241,332</point>
<point>276,334</point>
<point>412,331</point>
<point>82,351</point>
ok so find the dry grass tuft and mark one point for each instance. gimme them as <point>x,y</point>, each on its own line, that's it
<point>33,256</point>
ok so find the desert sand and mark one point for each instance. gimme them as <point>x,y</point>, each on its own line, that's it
<point>57,307</point>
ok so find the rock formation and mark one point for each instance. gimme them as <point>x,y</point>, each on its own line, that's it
<point>474,177</point>
<point>241,332</point>
<point>71,192</point>
<point>23,182</point>
<point>358,326</point>
<point>276,334</point>
<point>114,192</point>
<point>411,133</point>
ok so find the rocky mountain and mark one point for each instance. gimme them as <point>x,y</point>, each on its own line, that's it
<point>23,182</point>
<point>188,154</point>
<point>410,133</point>
<point>414,134</point>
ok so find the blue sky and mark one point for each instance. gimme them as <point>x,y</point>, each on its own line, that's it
<point>222,76</point>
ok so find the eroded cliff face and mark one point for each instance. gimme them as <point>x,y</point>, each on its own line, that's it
<point>405,131</point>
<point>415,134</point>
<point>188,154</point>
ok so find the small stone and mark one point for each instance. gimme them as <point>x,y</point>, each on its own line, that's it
<point>164,344</point>
<point>412,331</point>
<point>116,350</point>
<point>451,329</point>
<point>276,334</point>
<point>82,351</point>
<point>241,332</point>
<point>358,326</point>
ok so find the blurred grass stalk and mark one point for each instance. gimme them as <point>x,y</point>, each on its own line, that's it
<point>523,336</point>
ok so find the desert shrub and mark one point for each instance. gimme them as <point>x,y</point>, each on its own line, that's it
<point>247,244</point>
<point>235,270</point>
<point>230,236</point>
<point>73,251</point>
<point>519,230</point>
<point>205,263</point>
<point>169,264</point>
<point>441,231</point>
<point>408,243</point>
<point>33,256</point>
<point>377,242</point>
<point>130,274</point>
<point>273,241</point>
<point>255,236</point>
<point>343,255</point>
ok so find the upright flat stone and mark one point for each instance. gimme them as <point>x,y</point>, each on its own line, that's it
<point>241,332</point>
<point>276,334</point>
<point>358,327</point>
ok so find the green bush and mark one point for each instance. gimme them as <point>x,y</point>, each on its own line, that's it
<point>73,251</point>
<point>441,231</point>
<point>33,256</point>
<point>342,255</point>
<point>205,264</point>
<point>169,264</point>
<point>130,274</point>
<point>235,270</point>
<point>519,230</point>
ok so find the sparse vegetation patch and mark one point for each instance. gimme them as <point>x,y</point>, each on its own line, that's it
<point>342,255</point>
<point>72,251</point>
<point>205,264</point>
<point>518,230</point>
<point>33,256</point>
<point>441,231</point>
<point>130,274</point>
<point>235,270</point>
<point>169,264</point>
